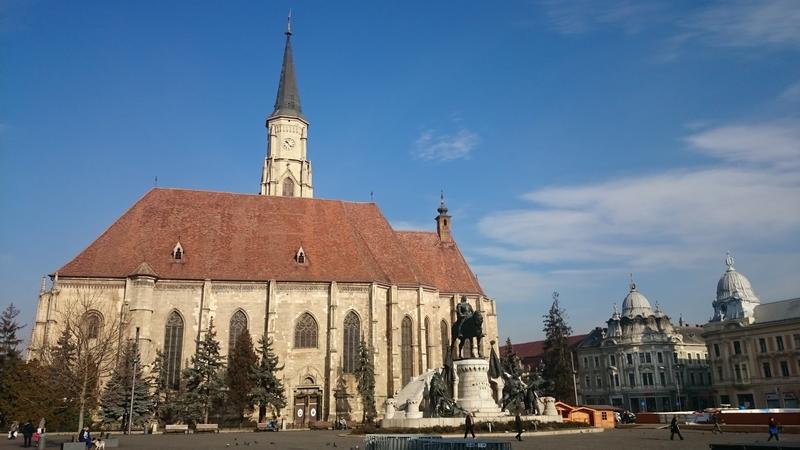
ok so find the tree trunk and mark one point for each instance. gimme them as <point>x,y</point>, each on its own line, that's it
<point>82,400</point>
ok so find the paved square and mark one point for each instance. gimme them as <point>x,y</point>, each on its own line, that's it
<point>629,439</point>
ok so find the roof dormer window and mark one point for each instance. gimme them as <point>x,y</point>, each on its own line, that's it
<point>178,253</point>
<point>300,256</point>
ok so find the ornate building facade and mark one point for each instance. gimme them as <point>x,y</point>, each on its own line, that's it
<point>316,276</point>
<point>643,362</point>
<point>754,346</point>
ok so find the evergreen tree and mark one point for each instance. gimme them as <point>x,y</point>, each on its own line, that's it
<point>115,402</point>
<point>241,365</point>
<point>267,391</point>
<point>510,360</point>
<point>365,375</point>
<point>203,380</point>
<point>557,369</point>
<point>9,341</point>
<point>161,395</point>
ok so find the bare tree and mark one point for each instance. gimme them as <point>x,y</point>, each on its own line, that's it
<point>94,327</point>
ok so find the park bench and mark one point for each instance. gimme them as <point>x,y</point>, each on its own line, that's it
<point>177,428</point>
<point>206,428</point>
<point>267,426</point>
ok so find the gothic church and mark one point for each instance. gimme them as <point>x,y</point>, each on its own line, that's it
<point>317,276</point>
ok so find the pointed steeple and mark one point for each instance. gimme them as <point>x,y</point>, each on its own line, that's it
<point>287,103</point>
<point>443,221</point>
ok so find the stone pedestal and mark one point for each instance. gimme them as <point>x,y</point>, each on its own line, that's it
<point>550,406</point>
<point>474,391</point>
<point>391,406</point>
<point>412,409</point>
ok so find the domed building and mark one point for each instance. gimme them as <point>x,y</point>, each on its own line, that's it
<point>754,346</point>
<point>642,362</point>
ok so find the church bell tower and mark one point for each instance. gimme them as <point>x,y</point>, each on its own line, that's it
<point>287,170</point>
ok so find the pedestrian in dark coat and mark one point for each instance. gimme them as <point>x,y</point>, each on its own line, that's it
<point>773,429</point>
<point>674,429</point>
<point>518,426</point>
<point>86,437</point>
<point>469,426</point>
<point>27,433</point>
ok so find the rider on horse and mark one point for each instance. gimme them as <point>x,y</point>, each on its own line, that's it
<point>463,312</point>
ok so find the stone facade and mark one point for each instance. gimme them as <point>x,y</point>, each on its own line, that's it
<point>754,347</point>
<point>642,362</point>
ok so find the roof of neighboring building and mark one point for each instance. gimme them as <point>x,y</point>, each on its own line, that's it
<point>529,352</point>
<point>776,311</point>
<point>248,237</point>
<point>692,334</point>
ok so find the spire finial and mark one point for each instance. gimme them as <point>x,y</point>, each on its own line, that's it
<point>615,309</point>
<point>442,208</point>
<point>633,284</point>
<point>289,24</point>
<point>729,261</point>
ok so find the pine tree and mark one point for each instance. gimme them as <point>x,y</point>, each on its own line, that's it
<point>241,365</point>
<point>365,375</point>
<point>557,369</point>
<point>9,341</point>
<point>115,402</point>
<point>203,380</point>
<point>267,391</point>
<point>161,392</point>
<point>510,360</point>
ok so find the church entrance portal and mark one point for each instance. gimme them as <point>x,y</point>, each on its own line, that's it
<point>306,406</point>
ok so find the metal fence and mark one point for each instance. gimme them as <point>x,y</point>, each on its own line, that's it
<point>428,442</point>
<point>393,441</point>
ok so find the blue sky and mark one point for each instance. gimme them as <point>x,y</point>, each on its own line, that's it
<point>576,141</point>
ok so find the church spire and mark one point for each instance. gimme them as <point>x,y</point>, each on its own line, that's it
<point>443,221</point>
<point>287,102</point>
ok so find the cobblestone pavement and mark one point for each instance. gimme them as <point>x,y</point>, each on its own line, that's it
<point>630,439</point>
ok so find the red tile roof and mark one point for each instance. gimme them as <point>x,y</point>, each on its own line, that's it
<point>532,353</point>
<point>253,237</point>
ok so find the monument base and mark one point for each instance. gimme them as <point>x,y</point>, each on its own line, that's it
<point>474,391</point>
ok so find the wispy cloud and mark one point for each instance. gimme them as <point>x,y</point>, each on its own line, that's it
<point>748,23</point>
<point>737,23</point>
<point>791,93</point>
<point>580,16</point>
<point>433,145</point>
<point>675,218</point>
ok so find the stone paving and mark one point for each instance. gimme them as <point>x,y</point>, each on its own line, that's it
<point>309,440</point>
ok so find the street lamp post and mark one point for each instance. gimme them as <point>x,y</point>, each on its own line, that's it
<point>133,379</point>
<point>678,374</point>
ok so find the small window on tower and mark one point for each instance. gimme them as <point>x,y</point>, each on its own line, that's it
<point>178,253</point>
<point>300,257</point>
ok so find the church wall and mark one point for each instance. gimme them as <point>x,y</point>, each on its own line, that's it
<point>227,298</point>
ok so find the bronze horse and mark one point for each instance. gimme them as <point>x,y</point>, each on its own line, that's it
<point>471,328</point>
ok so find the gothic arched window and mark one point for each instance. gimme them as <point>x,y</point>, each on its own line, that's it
<point>305,332</point>
<point>406,351</point>
<point>288,187</point>
<point>173,347</point>
<point>428,346</point>
<point>92,323</point>
<point>445,340</point>
<point>352,341</point>
<point>237,325</point>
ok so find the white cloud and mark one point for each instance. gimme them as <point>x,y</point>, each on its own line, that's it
<point>737,23</point>
<point>668,219</point>
<point>509,282</point>
<point>771,143</point>
<point>748,23</point>
<point>791,93</point>
<point>432,145</point>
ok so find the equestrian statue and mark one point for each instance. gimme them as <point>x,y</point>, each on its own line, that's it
<point>468,326</point>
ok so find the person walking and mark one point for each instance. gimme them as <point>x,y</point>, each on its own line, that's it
<point>518,426</point>
<point>27,433</point>
<point>773,429</point>
<point>674,429</point>
<point>717,419</point>
<point>469,426</point>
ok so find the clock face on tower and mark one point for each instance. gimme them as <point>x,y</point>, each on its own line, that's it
<point>288,144</point>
